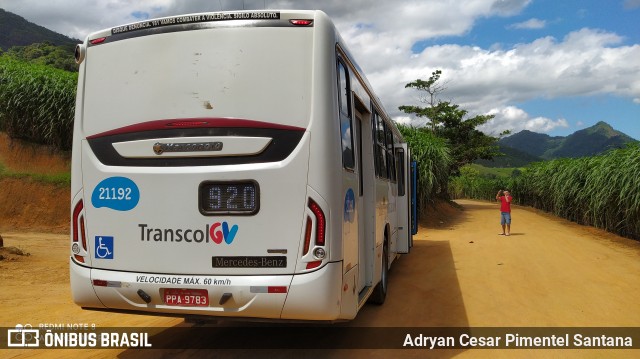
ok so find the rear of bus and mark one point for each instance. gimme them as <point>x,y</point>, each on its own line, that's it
<point>191,155</point>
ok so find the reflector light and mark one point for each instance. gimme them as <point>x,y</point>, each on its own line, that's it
<point>82,233</point>
<point>279,289</point>
<point>79,258</point>
<point>301,22</point>
<point>100,283</point>
<point>320,222</point>
<point>307,237</point>
<point>76,213</point>
<point>270,289</point>
<point>314,264</point>
<point>97,41</point>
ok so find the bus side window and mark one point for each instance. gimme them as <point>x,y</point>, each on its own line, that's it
<point>380,150</point>
<point>400,169</point>
<point>344,102</point>
<point>391,162</point>
<point>376,150</point>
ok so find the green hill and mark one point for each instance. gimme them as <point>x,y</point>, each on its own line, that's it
<point>511,158</point>
<point>532,143</point>
<point>16,31</point>
<point>591,141</point>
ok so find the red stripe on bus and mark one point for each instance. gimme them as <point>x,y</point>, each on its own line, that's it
<point>195,123</point>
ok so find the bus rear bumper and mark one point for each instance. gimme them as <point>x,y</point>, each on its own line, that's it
<point>309,296</point>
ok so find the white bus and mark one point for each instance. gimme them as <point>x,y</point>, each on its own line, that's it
<point>233,164</point>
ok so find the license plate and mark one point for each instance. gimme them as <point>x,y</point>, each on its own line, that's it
<point>186,297</point>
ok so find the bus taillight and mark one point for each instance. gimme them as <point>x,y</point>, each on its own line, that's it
<point>97,41</point>
<point>321,225</point>
<point>301,22</point>
<point>320,222</point>
<point>78,232</point>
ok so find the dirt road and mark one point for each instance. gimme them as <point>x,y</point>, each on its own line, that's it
<point>548,273</point>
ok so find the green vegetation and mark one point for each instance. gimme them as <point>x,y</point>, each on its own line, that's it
<point>495,172</point>
<point>446,144</point>
<point>37,102</point>
<point>59,179</point>
<point>479,182</point>
<point>60,57</point>
<point>600,191</point>
<point>434,160</point>
<point>509,157</point>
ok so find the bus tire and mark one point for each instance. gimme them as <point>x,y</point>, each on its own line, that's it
<point>380,291</point>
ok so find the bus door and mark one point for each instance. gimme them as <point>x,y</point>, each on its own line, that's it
<point>365,202</point>
<point>414,198</point>
<point>403,164</point>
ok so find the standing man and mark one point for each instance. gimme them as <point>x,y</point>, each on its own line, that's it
<point>505,211</point>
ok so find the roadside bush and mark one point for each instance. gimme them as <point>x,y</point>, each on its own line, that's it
<point>37,102</point>
<point>601,191</point>
<point>433,157</point>
<point>470,184</point>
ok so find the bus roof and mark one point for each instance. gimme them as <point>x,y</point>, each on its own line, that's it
<point>210,19</point>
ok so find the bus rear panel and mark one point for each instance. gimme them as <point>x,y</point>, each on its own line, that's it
<point>204,165</point>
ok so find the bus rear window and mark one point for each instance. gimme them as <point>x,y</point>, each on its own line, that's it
<point>260,74</point>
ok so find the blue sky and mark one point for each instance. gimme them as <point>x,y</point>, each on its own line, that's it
<point>556,18</point>
<point>543,18</point>
<point>547,66</point>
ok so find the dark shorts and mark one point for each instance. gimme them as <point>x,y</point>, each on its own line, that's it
<point>505,218</point>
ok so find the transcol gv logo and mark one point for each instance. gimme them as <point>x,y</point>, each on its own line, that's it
<point>228,234</point>
<point>215,233</point>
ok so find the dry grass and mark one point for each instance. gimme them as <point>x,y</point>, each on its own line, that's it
<point>24,157</point>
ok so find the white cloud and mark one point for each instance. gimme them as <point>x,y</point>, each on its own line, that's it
<point>515,120</point>
<point>631,4</point>
<point>586,62</point>
<point>404,120</point>
<point>509,7</point>
<point>531,24</point>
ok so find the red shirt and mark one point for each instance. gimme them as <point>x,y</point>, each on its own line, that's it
<point>504,205</point>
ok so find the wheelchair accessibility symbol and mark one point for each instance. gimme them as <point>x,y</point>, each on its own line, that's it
<point>104,247</point>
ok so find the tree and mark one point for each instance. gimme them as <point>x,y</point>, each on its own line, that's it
<point>434,158</point>
<point>61,56</point>
<point>433,89</point>
<point>447,120</point>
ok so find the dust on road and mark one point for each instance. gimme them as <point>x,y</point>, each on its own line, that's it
<point>548,273</point>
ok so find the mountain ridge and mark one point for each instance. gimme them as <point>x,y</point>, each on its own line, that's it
<point>17,31</point>
<point>527,146</point>
<point>589,141</point>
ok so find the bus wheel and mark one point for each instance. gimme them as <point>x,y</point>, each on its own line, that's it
<point>380,291</point>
